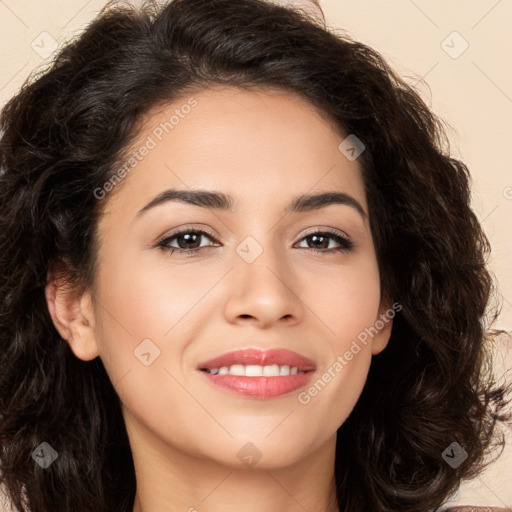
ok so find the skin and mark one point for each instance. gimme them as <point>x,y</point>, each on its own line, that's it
<point>264,148</point>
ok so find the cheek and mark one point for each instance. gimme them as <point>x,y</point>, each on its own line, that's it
<point>133,315</point>
<point>346,302</point>
<point>147,307</point>
<point>335,390</point>
<point>345,297</point>
<point>333,394</point>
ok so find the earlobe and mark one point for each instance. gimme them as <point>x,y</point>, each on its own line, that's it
<point>73,317</point>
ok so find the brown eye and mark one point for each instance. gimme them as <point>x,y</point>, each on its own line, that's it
<point>320,241</point>
<point>187,241</point>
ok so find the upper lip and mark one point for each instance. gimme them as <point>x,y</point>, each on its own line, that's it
<point>260,357</point>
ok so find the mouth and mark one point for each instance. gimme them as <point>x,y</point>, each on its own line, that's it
<point>257,373</point>
<point>253,370</point>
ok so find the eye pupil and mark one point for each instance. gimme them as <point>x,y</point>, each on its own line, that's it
<point>316,237</point>
<point>188,239</point>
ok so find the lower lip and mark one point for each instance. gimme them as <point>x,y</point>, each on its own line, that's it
<point>259,387</point>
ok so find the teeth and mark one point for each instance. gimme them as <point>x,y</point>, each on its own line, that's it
<point>254,370</point>
<point>285,370</point>
<point>237,369</point>
<point>272,370</point>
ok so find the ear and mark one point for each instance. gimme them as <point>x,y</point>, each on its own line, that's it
<point>384,324</point>
<point>73,315</point>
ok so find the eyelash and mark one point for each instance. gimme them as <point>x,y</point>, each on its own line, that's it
<point>345,244</point>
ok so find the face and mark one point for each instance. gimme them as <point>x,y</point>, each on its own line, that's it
<point>260,279</point>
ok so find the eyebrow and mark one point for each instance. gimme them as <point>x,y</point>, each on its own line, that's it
<point>225,202</point>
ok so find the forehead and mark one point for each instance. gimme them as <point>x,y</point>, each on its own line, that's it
<point>258,145</point>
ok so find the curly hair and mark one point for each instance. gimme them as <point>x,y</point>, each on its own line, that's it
<point>65,133</point>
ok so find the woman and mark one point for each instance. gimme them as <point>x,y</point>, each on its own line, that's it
<point>239,270</point>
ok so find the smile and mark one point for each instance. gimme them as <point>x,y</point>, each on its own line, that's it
<point>258,373</point>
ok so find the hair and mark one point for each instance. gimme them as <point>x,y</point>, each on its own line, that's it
<point>65,133</point>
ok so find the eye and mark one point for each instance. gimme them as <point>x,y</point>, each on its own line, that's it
<point>320,238</point>
<point>185,238</point>
<point>188,239</point>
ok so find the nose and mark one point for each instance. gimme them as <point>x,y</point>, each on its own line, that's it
<point>264,292</point>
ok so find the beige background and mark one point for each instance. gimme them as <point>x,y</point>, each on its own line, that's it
<point>457,53</point>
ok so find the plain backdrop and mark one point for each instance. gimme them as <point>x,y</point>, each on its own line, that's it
<point>458,55</point>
